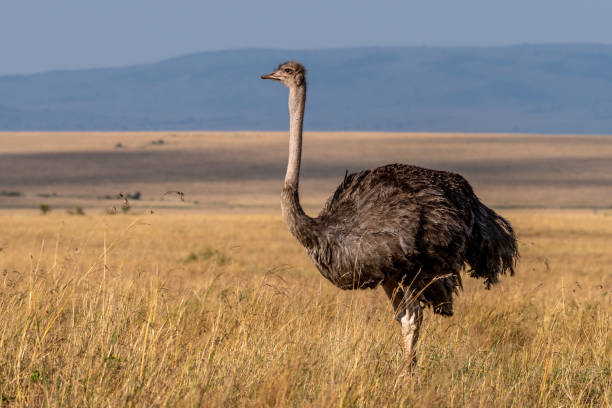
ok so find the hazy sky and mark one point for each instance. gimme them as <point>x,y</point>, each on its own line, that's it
<point>38,35</point>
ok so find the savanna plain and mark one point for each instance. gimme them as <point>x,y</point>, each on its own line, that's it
<point>188,290</point>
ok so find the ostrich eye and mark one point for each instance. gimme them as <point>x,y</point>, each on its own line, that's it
<point>288,70</point>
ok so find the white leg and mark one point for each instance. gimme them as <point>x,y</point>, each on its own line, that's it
<point>411,326</point>
<point>409,313</point>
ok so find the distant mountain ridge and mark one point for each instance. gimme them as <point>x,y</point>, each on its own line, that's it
<point>522,88</point>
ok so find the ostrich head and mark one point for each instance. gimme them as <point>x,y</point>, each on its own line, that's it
<point>292,74</point>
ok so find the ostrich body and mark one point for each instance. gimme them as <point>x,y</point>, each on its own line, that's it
<point>409,229</point>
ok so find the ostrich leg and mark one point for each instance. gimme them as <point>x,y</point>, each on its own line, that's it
<point>408,313</point>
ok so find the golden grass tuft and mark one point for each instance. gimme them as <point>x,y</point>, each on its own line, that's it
<point>114,311</point>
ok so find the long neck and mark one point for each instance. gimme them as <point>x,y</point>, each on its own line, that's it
<point>301,225</point>
<point>297,102</point>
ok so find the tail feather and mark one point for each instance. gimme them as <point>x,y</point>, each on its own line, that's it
<point>492,248</point>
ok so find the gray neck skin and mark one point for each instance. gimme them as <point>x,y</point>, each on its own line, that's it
<point>301,226</point>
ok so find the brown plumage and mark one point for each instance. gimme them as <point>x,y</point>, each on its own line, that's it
<point>411,230</point>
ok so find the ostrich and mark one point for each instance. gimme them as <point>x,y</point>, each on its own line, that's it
<point>409,229</point>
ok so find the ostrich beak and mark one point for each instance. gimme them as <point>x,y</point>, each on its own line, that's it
<point>275,76</point>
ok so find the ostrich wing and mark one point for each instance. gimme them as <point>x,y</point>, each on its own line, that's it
<point>398,221</point>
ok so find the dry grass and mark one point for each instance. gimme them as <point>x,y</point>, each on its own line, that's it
<point>226,310</point>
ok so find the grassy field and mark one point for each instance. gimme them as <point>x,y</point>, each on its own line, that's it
<point>208,301</point>
<point>226,310</point>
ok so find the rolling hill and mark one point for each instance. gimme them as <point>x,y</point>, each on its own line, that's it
<point>523,88</point>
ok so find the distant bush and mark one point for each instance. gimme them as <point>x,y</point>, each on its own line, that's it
<point>217,256</point>
<point>106,197</point>
<point>119,145</point>
<point>46,195</point>
<point>45,208</point>
<point>191,257</point>
<point>10,193</point>
<point>76,211</point>
<point>158,142</point>
<point>135,196</point>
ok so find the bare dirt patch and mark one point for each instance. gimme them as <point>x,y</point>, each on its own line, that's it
<point>228,170</point>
